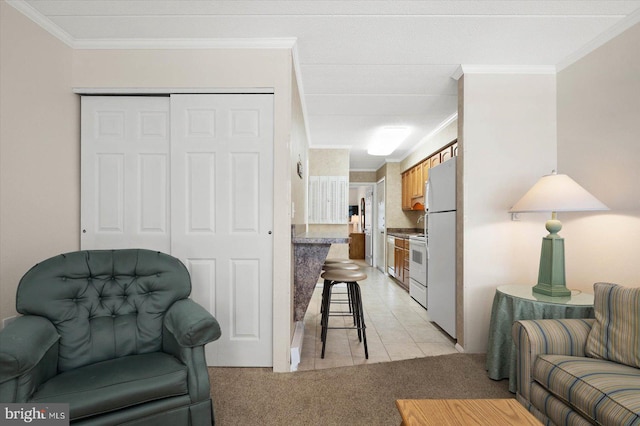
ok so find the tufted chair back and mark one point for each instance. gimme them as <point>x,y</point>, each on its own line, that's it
<point>105,304</point>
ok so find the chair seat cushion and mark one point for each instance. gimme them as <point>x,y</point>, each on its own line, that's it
<point>604,391</point>
<point>115,384</point>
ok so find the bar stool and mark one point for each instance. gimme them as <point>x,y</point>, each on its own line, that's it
<point>350,278</point>
<point>344,265</point>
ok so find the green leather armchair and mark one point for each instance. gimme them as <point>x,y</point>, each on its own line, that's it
<point>113,334</point>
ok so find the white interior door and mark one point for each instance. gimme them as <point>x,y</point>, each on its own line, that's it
<point>125,173</point>
<point>222,216</point>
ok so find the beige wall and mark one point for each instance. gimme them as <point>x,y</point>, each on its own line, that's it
<point>599,147</point>
<point>368,177</point>
<point>39,151</point>
<point>431,144</point>
<point>299,152</point>
<point>509,134</point>
<point>329,162</point>
<point>395,216</point>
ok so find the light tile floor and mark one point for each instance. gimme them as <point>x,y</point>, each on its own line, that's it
<point>397,328</point>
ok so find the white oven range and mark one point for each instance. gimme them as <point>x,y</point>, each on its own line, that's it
<point>418,269</point>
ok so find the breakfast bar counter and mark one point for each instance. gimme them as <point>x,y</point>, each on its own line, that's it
<point>309,252</point>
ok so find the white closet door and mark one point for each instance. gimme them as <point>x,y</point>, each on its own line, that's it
<point>222,217</point>
<point>125,173</point>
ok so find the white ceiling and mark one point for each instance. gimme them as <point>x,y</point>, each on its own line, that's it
<point>364,64</point>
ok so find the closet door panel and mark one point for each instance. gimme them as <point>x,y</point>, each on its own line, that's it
<point>222,215</point>
<point>125,173</point>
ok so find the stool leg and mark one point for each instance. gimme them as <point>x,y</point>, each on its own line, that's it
<point>355,298</point>
<point>326,319</point>
<point>324,309</point>
<point>361,320</point>
<point>356,308</point>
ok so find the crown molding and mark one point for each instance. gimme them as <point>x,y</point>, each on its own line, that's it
<point>159,43</point>
<point>434,132</point>
<point>608,35</point>
<point>502,69</point>
<point>186,43</point>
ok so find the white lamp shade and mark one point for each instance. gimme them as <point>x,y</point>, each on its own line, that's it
<point>557,193</point>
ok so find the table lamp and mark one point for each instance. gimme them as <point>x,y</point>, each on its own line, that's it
<point>555,193</point>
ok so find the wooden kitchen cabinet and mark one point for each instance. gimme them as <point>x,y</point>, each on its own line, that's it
<point>414,178</point>
<point>434,160</point>
<point>412,188</point>
<point>406,191</point>
<point>416,182</point>
<point>446,154</point>
<point>356,245</point>
<point>426,165</point>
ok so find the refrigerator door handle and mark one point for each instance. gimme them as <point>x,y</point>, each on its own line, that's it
<point>427,190</point>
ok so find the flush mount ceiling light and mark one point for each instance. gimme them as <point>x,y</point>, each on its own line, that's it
<point>387,139</point>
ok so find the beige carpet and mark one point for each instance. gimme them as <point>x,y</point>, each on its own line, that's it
<point>358,395</point>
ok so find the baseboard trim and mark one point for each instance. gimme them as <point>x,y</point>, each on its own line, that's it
<point>296,345</point>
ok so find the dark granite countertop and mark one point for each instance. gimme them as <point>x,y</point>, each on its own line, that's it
<point>320,238</point>
<point>404,232</point>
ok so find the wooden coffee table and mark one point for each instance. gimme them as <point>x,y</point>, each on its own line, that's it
<point>463,412</point>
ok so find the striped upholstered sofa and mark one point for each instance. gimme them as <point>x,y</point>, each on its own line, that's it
<point>583,371</point>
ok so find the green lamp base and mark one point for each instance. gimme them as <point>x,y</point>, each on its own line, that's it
<point>551,275</point>
<point>549,290</point>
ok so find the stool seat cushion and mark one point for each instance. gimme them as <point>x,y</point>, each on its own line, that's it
<point>342,266</point>
<point>343,275</point>
<point>338,260</point>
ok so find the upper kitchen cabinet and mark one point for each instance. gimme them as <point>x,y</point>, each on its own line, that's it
<point>406,191</point>
<point>416,182</point>
<point>414,178</point>
<point>412,189</point>
<point>328,199</point>
<point>435,160</point>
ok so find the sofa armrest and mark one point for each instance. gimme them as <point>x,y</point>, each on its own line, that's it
<point>28,356</point>
<point>547,336</point>
<point>190,324</point>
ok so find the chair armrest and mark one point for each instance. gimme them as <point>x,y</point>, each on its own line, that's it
<point>190,324</point>
<point>547,336</point>
<point>187,328</point>
<point>28,357</point>
<point>23,343</point>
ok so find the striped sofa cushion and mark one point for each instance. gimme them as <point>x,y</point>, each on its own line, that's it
<point>606,392</point>
<point>615,336</point>
<point>556,410</point>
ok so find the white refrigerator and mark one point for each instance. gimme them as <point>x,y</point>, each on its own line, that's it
<point>441,245</point>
